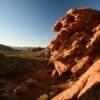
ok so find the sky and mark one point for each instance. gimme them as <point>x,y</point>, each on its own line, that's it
<point>29,22</point>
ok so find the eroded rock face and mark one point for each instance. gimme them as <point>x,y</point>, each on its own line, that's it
<point>76,48</point>
<point>86,82</point>
<point>76,44</point>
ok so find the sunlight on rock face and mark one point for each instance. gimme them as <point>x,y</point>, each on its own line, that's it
<point>76,49</point>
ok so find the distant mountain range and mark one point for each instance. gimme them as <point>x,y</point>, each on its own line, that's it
<point>12,49</point>
<point>6,48</point>
<point>29,48</point>
<point>22,48</point>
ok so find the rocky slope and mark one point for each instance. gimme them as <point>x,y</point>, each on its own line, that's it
<point>76,49</point>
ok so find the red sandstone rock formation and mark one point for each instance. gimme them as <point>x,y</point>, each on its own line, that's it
<point>76,48</point>
<point>86,81</point>
<point>77,40</point>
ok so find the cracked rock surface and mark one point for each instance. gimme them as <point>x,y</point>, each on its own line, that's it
<point>76,48</point>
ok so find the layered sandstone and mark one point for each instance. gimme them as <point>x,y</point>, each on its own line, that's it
<point>76,48</point>
<point>86,82</point>
<point>77,41</point>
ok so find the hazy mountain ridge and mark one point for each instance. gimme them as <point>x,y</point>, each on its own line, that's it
<point>10,48</point>
<point>7,48</point>
<point>29,48</point>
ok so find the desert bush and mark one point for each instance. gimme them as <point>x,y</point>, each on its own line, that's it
<point>43,97</point>
<point>48,95</point>
<point>31,82</point>
<point>13,71</point>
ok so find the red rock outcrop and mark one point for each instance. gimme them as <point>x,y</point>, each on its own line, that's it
<point>86,81</point>
<point>77,41</point>
<point>76,48</point>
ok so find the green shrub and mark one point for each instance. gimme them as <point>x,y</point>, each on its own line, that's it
<point>43,97</point>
